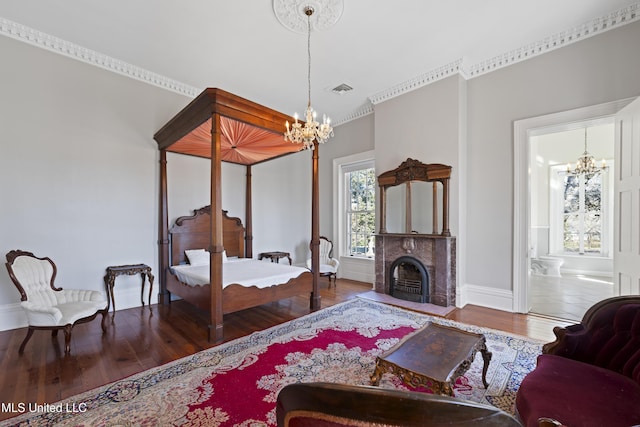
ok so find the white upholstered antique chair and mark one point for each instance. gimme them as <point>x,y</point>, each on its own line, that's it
<point>328,264</point>
<point>46,306</point>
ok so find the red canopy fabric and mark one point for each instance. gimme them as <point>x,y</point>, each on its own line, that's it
<point>240,143</point>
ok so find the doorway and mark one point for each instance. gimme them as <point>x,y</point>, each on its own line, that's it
<point>571,218</point>
<point>524,130</point>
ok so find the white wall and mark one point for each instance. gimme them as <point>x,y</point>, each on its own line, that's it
<point>469,125</point>
<point>350,139</point>
<point>282,206</point>
<point>428,125</point>
<point>188,186</point>
<point>422,125</point>
<point>590,72</point>
<point>79,172</point>
<point>79,166</point>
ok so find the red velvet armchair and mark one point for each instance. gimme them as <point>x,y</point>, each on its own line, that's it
<point>590,375</point>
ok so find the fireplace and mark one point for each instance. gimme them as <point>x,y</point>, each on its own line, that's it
<point>413,266</point>
<point>431,255</point>
<point>409,280</point>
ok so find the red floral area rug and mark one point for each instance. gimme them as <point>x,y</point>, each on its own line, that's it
<point>236,383</point>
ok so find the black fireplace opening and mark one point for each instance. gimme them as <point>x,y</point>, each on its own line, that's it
<point>409,280</point>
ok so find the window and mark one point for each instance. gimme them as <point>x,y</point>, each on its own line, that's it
<point>580,213</point>
<point>355,186</point>
<point>582,221</point>
<point>360,190</point>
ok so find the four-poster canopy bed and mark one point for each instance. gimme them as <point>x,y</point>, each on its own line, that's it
<point>224,127</point>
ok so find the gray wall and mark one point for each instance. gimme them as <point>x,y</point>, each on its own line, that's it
<point>79,172</point>
<point>351,138</point>
<point>590,72</point>
<point>469,125</point>
<point>78,166</point>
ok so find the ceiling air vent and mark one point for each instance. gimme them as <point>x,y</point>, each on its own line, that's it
<point>341,89</point>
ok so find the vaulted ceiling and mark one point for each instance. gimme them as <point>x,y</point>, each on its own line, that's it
<point>379,48</point>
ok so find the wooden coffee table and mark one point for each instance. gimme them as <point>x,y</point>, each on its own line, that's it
<point>433,357</point>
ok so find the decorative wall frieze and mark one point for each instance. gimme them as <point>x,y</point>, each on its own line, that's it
<point>54,44</point>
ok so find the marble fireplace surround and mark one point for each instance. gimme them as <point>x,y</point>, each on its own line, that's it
<point>437,253</point>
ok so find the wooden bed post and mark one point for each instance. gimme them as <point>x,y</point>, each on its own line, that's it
<point>315,228</point>
<point>248,208</point>
<point>187,133</point>
<point>217,245</point>
<point>163,232</point>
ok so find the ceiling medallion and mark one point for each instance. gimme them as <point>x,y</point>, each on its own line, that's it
<point>291,14</point>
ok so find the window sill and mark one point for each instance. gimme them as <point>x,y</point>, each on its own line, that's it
<point>356,259</point>
<point>581,256</point>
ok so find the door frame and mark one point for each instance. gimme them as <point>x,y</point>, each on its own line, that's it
<point>522,130</point>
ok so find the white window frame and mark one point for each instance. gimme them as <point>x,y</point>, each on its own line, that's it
<point>556,211</point>
<point>341,166</point>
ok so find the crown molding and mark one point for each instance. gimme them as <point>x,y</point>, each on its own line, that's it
<point>594,27</point>
<point>365,110</point>
<point>417,82</point>
<point>54,44</point>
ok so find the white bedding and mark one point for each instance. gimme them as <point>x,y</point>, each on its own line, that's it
<point>243,271</point>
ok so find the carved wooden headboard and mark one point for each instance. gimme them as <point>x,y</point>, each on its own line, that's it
<point>192,232</point>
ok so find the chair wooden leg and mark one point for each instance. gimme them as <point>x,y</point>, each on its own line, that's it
<point>24,342</point>
<point>67,339</point>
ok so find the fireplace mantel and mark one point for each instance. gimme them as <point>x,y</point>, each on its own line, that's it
<point>436,252</point>
<point>413,170</point>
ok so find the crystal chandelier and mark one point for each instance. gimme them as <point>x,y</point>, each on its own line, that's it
<point>586,164</point>
<point>305,133</point>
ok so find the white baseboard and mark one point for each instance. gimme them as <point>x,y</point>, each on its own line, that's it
<point>498,299</point>
<point>362,270</point>
<point>12,316</point>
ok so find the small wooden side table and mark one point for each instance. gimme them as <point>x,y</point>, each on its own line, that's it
<point>118,270</point>
<point>275,256</point>
<point>433,357</point>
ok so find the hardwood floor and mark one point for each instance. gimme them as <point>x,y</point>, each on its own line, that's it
<point>139,339</point>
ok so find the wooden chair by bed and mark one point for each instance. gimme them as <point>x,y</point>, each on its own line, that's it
<point>207,128</point>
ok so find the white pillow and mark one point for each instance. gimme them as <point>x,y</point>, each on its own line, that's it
<point>197,256</point>
<point>224,256</point>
